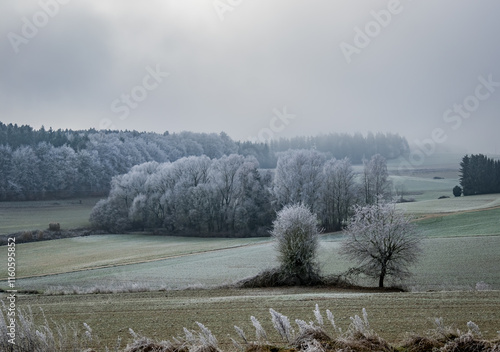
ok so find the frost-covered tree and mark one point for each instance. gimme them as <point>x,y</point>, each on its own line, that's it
<point>5,166</point>
<point>298,178</point>
<point>110,214</point>
<point>89,173</point>
<point>61,171</point>
<point>339,193</point>
<point>375,179</point>
<point>295,232</point>
<point>24,175</point>
<point>224,174</point>
<point>382,241</point>
<point>254,211</point>
<point>191,195</point>
<point>121,208</point>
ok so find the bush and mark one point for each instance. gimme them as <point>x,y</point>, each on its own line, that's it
<point>54,226</point>
<point>295,231</point>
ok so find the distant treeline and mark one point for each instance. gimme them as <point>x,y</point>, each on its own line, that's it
<point>356,147</point>
<point>44,164</point>
<point>479,175</point>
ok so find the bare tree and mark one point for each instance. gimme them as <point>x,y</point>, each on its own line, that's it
<point>382,240</point>
<point>298,178</point>
<point>295,231</point>
<point>338,193</point>
<point>375,179</point>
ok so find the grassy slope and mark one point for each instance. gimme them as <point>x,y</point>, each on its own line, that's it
<point>473,223</point>
<point>454,204</point>
<point>80,253</point>
<point>207,269</point>
<point>423,188</point>
<point>449,262</point>
<point>20,216</point>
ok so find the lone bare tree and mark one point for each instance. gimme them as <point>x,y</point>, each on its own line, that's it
<point>296,233</point>
<point>382,240</point>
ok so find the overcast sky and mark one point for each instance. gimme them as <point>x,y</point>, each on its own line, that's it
<point>256,68</point>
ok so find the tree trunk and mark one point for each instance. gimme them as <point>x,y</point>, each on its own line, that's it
<point>382,276</point>
<point>381,281</point>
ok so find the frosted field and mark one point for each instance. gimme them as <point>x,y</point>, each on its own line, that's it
<point>83,253</point>
<point>465,224</point>
<point>423,188</point>
<point>453,204</point>
<point>203,269</point>
<point>462,250</point>
<point>36,215</point>
<point>448,264</point>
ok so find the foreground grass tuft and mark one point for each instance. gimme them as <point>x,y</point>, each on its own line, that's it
<point>25,335</point>
<point>322,335</point>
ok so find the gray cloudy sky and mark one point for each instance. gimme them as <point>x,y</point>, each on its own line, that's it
<point>423,69</point>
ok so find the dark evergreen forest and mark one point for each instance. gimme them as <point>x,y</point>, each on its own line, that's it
<point>479,175</point>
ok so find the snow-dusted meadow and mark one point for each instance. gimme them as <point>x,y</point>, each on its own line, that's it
<point>449,262</point>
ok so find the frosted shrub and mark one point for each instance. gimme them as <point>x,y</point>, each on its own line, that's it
<point>295,231</point>
<point>482,286</point>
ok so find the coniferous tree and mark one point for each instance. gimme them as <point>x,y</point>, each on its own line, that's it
<point>457,191</point>
<point>479,175</point>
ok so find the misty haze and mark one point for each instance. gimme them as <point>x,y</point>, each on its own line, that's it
<point>232,175</point>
